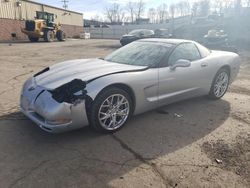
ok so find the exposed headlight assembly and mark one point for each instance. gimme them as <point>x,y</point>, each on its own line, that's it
<point>70,92</point>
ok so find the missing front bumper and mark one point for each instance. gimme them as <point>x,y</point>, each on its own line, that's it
<point>44,109</point>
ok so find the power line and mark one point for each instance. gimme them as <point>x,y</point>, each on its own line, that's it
<point>65,5</point>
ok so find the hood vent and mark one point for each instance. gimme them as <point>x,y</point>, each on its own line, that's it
<point>42,71</point>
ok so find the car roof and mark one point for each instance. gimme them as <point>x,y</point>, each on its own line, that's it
<point>142,30</point>
<point>138,30</point>
<point>162,29</point>
<point>169,41</point>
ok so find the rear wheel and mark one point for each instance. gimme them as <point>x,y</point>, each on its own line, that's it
<point>220,84</point>
<point>48,36</point>
<point>60,35</point>
<point>33,39</point>
<point>111,110</point>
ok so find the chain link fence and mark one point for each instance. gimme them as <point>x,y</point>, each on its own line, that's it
<point>116,31</point>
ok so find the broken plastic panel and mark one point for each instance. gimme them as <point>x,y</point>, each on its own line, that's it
<point>70,92</point>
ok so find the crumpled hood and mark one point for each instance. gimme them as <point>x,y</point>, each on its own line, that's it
<point>84,69</point>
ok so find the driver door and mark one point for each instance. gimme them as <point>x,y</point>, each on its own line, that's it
<point>181,82</point>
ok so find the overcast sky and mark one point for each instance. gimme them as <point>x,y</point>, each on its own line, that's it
<point>92,7</point>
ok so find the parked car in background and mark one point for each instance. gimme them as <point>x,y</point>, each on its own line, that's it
<point>135,35</point>
<point>215,17</point>
<point>136,78</point>
<point>162,33</point>
<point>218,40</point>
<point>216,37</point>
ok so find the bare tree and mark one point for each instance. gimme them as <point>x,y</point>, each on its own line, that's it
<point>131,10</point>
<point>187,7</point>
<point>201,8</point>
<point>152,15</point>
<point>248,3</point>
<point>96,17</point>
<point>180,8</point>
<point>120,16</point>
<point>162,12</point>
<point>218,5</point>
<point>238,5</point>
<point>114,13</point>
<point>204,7</point>
<point>109,14</point>
<point>172,9</point>
<point>195,9</point>
<point>140,8</point>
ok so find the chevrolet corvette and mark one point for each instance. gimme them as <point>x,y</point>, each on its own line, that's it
<point>143,75</point>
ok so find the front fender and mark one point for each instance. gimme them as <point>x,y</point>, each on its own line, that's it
<point>144,84</point>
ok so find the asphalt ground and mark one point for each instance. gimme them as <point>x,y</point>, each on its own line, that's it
<point>192,143</point>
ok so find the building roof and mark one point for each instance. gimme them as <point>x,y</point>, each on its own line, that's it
<point>52,6</point>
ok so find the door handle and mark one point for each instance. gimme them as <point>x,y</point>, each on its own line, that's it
<point>204,65</point>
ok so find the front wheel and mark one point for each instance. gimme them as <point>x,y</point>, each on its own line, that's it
<point>111,110</point>
<point>33,39</point>
<point>220,84</point>
<point>60,35</point>
<point>48,36</point>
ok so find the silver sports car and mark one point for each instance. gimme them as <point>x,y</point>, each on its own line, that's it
<point>141,76</point>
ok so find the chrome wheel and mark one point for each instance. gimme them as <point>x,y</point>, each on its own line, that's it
<point>113,112</point>
<point>221,84</point>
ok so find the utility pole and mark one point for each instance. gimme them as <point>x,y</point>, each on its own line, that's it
<point>65,4</point>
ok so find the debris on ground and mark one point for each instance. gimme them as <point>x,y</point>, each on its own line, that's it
<point>219,161</point>
<point>233,156</point>
<point>178,115</point>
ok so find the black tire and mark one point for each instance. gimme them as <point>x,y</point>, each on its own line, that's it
<point>33,39</point>
<point>48,36</point>
<point>212,94</point>
<point>94,120</point>
<point>122,43</point>
<point>60,35</point>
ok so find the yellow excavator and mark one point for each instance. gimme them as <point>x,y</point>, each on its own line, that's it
<point>43,26</point>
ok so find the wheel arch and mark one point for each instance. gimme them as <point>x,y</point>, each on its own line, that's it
<point>124,87</point>
<point>226,67</point>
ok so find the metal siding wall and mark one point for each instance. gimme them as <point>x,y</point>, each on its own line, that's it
<point>7,9</point>
<point>28,11</point>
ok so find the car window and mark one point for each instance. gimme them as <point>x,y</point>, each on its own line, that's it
<point>203,50</point>
<point>186,51</point>
<point>140,54</point>
<point>141,33</point>
<point>148,32</point>
<point>134,32</point>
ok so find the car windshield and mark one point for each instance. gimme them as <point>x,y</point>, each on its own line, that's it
<point>140,54</point>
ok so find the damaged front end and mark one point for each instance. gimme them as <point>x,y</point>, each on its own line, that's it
<point>70,92</point>
<point>56,110</point>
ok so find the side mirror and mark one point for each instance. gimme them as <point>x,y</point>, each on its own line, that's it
<point>180,63</point>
